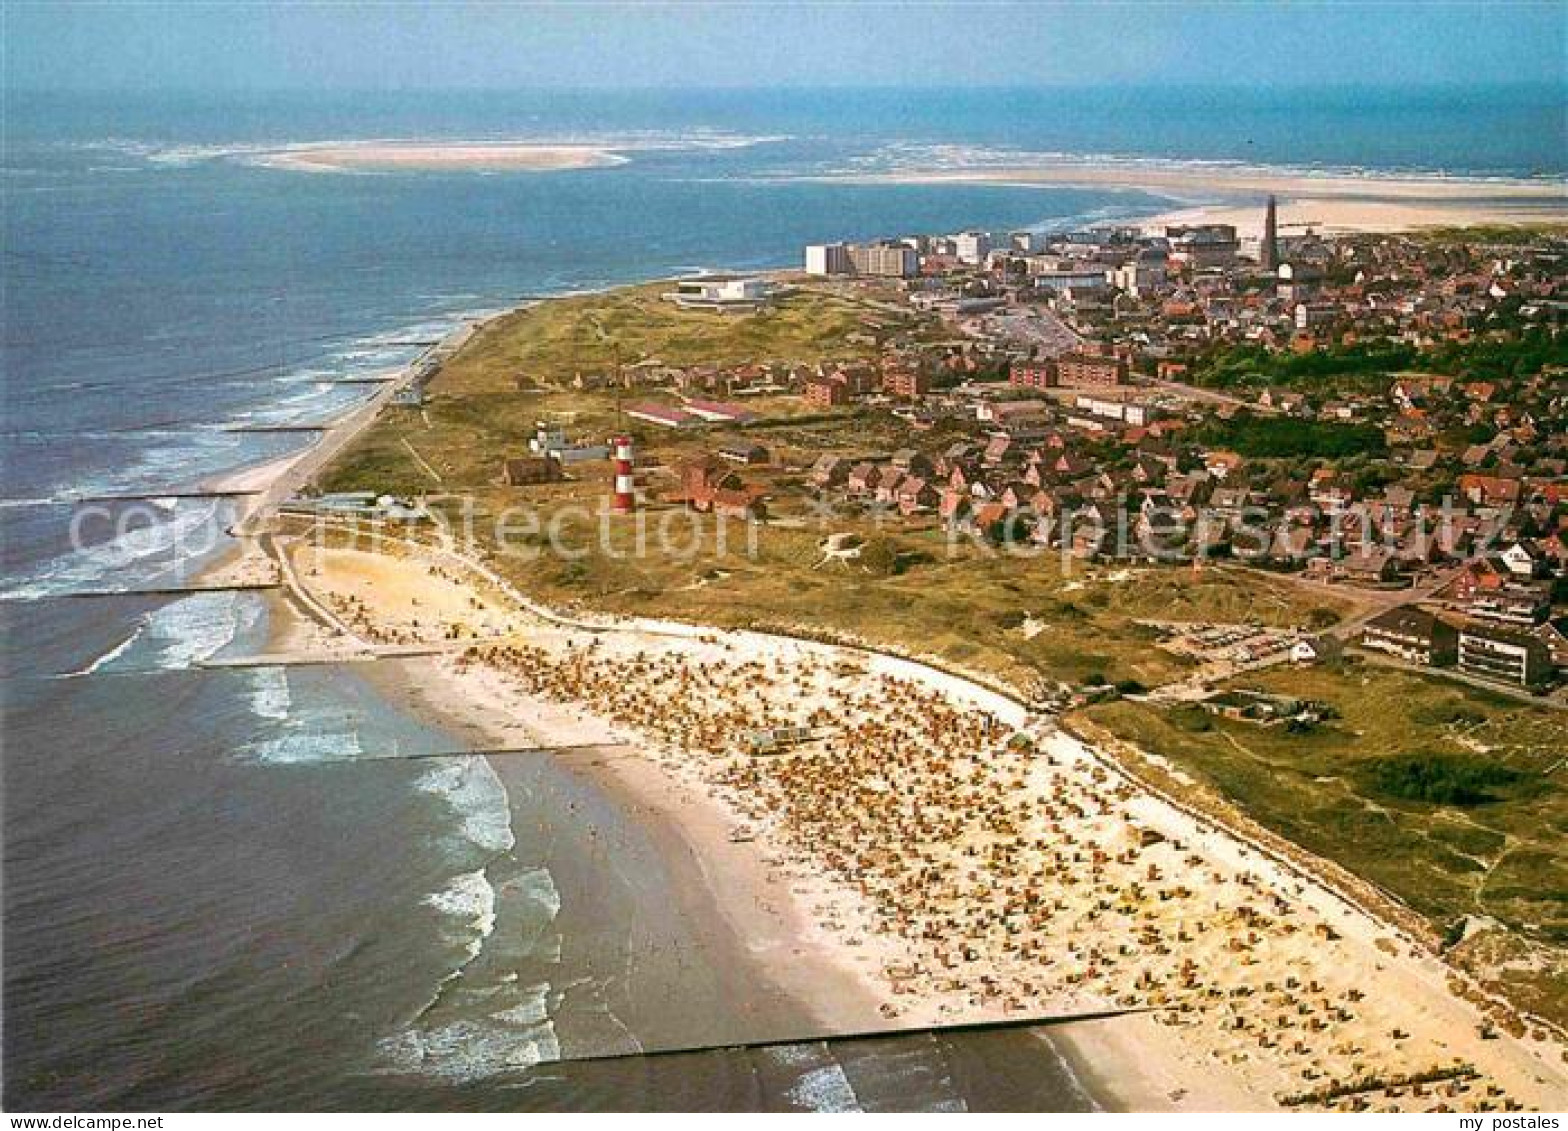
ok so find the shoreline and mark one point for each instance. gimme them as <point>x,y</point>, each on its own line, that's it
<point>783,991</point>
<point>762,904</point>
<point>1331,202</point>
<point>1143,1061</point>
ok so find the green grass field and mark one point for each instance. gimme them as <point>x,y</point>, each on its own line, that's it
<point>476,414</point>
<point>553,342</point>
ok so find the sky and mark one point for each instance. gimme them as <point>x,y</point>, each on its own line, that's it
<point>125,45</point>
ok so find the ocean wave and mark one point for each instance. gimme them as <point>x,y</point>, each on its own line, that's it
<point>825,1088</point>
<point>895,1073</point>
<point>474,792</point>
<point>190,532</point>
<point>470,898</point>
<point>538,902</point>
<point>532,1010</point>
<point>305,747</point>
<point>911,158</point>
<point>477,1049</point>
<point>193,629</point>
<point>269,693</point>
<point>195,453</point>
<point>108,658</point>
<point>179,635</point>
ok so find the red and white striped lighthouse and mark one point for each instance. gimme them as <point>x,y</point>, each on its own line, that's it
<point>625,501</point>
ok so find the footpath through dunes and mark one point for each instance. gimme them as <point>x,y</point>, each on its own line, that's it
<point>908,848</point>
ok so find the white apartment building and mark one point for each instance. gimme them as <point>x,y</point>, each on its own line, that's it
<point>828,259</point>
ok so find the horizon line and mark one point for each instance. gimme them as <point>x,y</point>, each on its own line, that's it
<point>800,88</point>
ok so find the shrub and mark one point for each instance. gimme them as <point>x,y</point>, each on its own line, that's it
<point>880,557</point>
<point>1319,617</point>
<point>1191,718</point>
<point>1438,779</point>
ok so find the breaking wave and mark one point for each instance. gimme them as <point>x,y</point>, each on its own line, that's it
<point>470,786</point>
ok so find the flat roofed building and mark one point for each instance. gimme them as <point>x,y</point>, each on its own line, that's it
<point>1412,634</point>
<point>1075,370</point>
<point>910,384</point>
<point>1510,657</point>
<point>824,392</point>
<point>1071,279</point>
<point>1114,407</point>
<point>661,415</point>
<point>886,258</point>
<point>1032,375</point>
<point>972,247</point>
<point>716,411</point>
<point>720,293</point>
<point>1515,602</point>
<point>828,259</point>
<point>1203,245</point>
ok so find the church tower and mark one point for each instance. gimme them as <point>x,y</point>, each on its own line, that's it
<point>1268,253</point>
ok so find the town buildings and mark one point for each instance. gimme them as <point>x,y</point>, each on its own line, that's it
<point>1412,634</point>
<point>828,259</point>
<point>1138,376</point>
<point>1509,657</point>
<point>889,258</point>
<point>721,293</point>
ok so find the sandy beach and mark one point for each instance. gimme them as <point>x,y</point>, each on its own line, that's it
<point>935,854</point>
<point>437,156</point>
<point>1329,202</point>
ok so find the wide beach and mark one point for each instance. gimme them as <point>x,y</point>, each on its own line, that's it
<point>779,843</point>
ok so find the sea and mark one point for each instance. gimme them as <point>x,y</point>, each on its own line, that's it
<point>222,889</point>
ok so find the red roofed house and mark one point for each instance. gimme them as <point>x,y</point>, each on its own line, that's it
<point>1489,490</point>
<point>707,485</point>
<point>915,493</point>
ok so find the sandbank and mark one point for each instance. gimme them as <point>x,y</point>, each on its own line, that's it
<point>1329,201</point>
<point>438,156</point>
